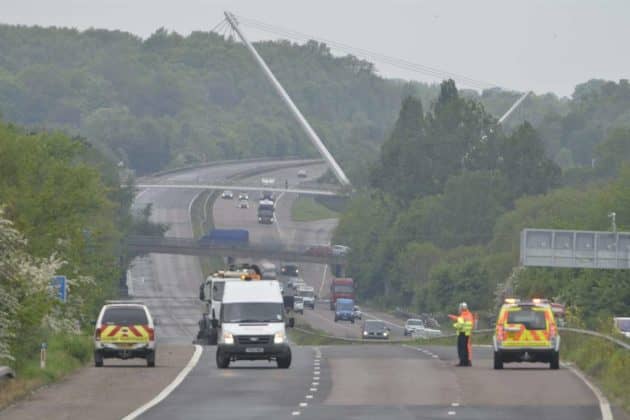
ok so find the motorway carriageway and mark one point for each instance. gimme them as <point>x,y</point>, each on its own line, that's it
<point>376,381</point>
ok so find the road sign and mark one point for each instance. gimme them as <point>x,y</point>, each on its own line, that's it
<point>575,248</point>
<point>60,283</point>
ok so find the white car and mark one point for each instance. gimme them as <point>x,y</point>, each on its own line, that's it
<point>416,328</point>
<point>243,204</point>
<point>268,181</point>
<point>124,330</point>
<point>302,173</point>
<point>298,304</point>
<point>622,325</point>
<point>227,195</point>
<point>340,250</point>
<point>243,196</point>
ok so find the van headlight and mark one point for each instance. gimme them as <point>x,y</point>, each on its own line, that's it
<point>228,338</point>
<point>279,338</point>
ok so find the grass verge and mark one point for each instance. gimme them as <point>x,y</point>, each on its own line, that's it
<point>202,222</point>
<point>306,209</point>
<point>311,336</point>
<point>66,353</point>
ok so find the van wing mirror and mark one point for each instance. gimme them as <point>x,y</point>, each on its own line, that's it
<point>202,294</point>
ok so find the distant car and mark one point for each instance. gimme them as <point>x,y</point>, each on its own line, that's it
<point>295,283</point>
<point>291,270</point>
<point>340,250</point>
<point>227,195</point>
<point>268,181</point>
<point>344,310</point>
<point>243,196</point>
<point>124,331</point>
<point>243,204</point>
<point>356,313</point>
<point>302,173</point>
<point>375,329</point>
<point>412,326</point>
<point>622,325</point>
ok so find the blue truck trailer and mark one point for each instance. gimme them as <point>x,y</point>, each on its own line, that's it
<point>225,237</point>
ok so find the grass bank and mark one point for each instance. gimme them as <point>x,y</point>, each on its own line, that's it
<point>305,335</point>
<point>202,221</point>
<point>66,353</point>
<point>306,209</point>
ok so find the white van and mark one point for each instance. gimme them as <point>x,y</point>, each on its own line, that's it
<point>251,324</point>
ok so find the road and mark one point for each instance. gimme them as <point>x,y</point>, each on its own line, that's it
<point>358,381</point>
<point>370,381</point>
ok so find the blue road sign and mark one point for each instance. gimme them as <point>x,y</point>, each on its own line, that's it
<point>60,283</point>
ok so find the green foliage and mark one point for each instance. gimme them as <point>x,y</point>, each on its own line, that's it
<point>306,209</point>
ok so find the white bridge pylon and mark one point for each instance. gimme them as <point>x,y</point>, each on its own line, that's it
<point>306,191</point>
<point>295,111</point>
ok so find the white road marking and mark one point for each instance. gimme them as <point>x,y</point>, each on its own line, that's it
<point>451,413</point>
<point>604,405</point>
<point>295,413</point>
<point>455,404</point>
<point>170,387</point>
<point>309,397</point>
<point>303,404</point>
<point>321,286</point>
<point>313,389</point>
<point>315,384</point>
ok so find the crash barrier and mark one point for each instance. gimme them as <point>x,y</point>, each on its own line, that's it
<point>226,162</point>
<point>6,372</point>
<point>614,340</point>
<point>350,340</point>
<point>480,331</point>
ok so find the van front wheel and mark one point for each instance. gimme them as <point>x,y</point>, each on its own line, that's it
<point>284,362</point>
<point>223,360</point>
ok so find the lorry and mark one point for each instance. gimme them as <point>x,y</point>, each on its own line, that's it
<point>211,294</point>
<point>266,210</point>
<point>251,324</point>
<point>225,237</point>
<point>341,287</point>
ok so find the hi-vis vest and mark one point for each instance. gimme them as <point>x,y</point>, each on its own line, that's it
<point>464,323</point>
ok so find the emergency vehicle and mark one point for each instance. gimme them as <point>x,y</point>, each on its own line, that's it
<point>526,332</point>
<point>124,330</point>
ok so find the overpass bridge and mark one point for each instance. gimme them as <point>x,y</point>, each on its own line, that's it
<point>186,246</point>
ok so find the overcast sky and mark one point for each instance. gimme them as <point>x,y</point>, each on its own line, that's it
<point>542,45</point>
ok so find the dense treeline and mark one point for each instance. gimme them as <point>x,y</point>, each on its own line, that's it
<point>448,197</point>
<point>172,100</point>
<point>62,212</point>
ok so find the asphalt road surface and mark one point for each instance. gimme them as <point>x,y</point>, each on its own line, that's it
<point>364,381</point>
<point>376,381</point>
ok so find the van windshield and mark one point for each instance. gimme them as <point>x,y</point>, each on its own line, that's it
<point>252,312</point>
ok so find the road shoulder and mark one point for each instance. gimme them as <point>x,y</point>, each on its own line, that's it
<point>110,392</point>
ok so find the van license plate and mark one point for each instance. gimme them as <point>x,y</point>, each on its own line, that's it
<point>254,350</point>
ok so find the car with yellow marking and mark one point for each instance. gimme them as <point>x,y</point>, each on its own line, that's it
<point>124,330</point>
<point>526,332</point>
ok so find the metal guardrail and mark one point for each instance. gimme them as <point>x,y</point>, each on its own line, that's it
<point>599,335</point>
<point>6,372</point>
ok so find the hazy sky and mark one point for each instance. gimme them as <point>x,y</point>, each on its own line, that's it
<point>542,45</point>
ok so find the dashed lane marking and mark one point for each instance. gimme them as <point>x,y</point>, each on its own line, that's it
<point>303,404</point>
<point>295,413</point>
<point>451,413</point>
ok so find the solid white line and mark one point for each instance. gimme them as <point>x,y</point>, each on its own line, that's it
<point>170,387</point>
<point>321,286</point>
<point>604,405</point>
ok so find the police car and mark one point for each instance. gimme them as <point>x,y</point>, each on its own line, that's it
<point>124,330</point>
<point>526,332</point>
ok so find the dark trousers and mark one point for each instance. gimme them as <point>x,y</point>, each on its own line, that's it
<point>462,349</point>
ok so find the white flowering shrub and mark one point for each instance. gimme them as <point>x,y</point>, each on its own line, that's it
<point>28,305</point>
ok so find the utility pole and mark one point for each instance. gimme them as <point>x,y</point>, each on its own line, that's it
<point>330,160</point>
